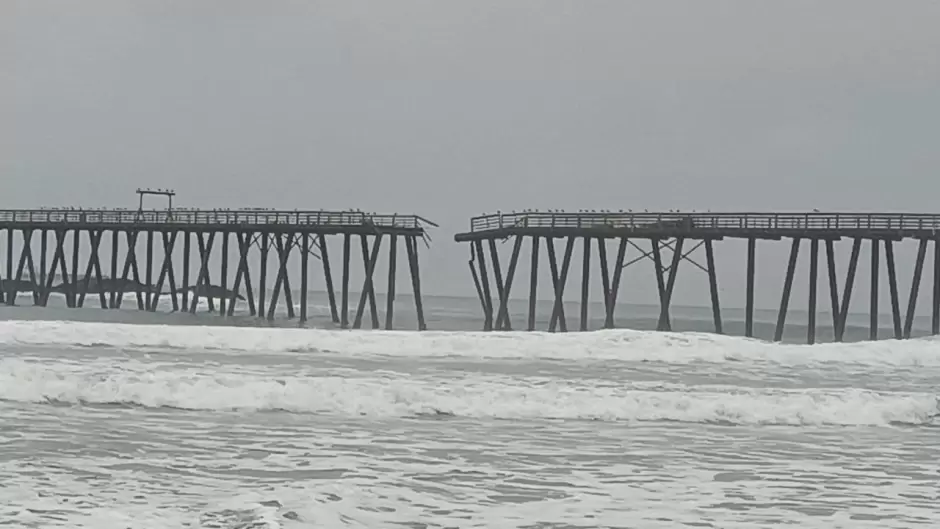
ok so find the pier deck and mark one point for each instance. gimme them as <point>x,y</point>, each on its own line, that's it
<point>669,231</point>
<point>257,233</point>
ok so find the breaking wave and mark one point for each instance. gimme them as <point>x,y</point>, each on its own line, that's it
<point>480,397</point>
<point>623,345</point>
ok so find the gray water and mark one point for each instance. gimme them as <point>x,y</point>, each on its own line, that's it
<point>172,420</point>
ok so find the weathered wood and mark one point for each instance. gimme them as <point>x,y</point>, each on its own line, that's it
<point>873,293</point>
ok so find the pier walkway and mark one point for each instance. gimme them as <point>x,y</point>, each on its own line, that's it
<point>673,233</point>
<point>256,234</point>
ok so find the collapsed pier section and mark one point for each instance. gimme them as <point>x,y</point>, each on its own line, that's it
<point>204,238</point>
<point>668,239</point>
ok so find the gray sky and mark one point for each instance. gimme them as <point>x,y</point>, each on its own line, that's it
<point>450,109</point>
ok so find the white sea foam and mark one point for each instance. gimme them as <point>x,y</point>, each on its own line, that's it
<point>472,396</point>
<point>600,345</point>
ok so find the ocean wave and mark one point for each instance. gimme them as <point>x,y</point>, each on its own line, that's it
<point>469,397</point>
<point>625,345</point>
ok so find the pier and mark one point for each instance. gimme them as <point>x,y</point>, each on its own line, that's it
<point>668,239</point>
<point>175,238</point>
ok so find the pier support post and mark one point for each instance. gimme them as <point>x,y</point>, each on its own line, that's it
<point>369,268</point>
<point>242,274</point>
<point>498,279</point>
<point>585,282</point>
<point>390,293</point>
<point>166,271</point>
<point>935,315</point>
<point>304,264</point>
<point>534,282</point>
<point>185,286</point>
<point>344,317</point>
<point>148,271</point>
<point>411,246</point>
<point>57,260</point>
<point>833,286</point>
<point>328,277</point>
<point>787,285</point>
<point>605,275</point>
<point>560,280</point>
<point>813,272</point>
<point>223,275</point>
<point>847,289</point>
<point>665,285</point>
<point>915,287</point>
<point>9,291</point>
<point>13,285</point>
<point>115,249</point>
<point>713,285</point>
<point>873,303</point>
<point>43,243</point>
<point>502,315</point>
<point>202,278</point>
<point>72,296</point>
<point>893,288</point>
<point>28,254</point>
<point>368,283</point>
<point>263,273</point>
<point>485,283</point>
<point>93,266</point>
<point>615,283</point>
<point>281,281</point>
<point>749,293</point>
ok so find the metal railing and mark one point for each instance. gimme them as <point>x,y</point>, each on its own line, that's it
<point>206,217</point>
<point>709,221</point>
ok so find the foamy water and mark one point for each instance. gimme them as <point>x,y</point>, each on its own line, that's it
<point>114,425</point>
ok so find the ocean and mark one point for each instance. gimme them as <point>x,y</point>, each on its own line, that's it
<point>121,419</point>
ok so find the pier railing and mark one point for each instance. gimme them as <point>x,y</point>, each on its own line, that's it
<point>707,221</point>
<point>122,217</point>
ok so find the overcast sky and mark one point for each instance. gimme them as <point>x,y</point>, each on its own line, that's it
<point>450,109</point>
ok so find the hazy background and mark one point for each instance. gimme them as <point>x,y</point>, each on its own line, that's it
<point>451,109</point>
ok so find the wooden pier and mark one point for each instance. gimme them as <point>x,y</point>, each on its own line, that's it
<point>187,236</point>
<point>681,234</point>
